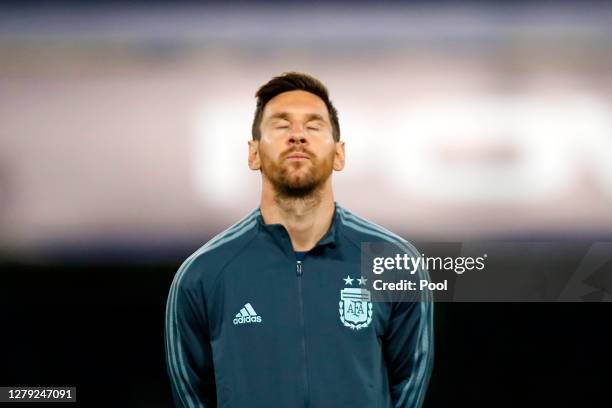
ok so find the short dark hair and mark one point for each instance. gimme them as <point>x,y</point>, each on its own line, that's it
<point>293,81</point>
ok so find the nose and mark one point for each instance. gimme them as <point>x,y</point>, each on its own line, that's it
<point>297,135</point>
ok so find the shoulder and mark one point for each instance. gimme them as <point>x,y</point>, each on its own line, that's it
<point>202,267</point>
<point>359,229</point>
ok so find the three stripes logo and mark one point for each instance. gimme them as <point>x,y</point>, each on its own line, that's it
<point>247,315</point>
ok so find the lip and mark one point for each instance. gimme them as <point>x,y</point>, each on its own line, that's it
<point>298,156</point>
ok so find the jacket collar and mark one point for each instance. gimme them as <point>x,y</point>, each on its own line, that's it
<point>281,235</point>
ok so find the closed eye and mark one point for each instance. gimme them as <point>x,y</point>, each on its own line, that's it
<point>315,125</point>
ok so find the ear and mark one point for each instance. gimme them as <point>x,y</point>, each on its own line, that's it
<point>254,163</point>
<point>339,156</point>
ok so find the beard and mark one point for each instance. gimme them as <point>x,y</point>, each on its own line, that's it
<point>296,180</point>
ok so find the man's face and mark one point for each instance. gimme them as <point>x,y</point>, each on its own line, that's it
<point>296,151</point>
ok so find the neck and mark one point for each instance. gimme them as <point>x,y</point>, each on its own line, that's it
<point>306,219</point>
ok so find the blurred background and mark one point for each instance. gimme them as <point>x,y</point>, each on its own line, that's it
<point>123,147</point>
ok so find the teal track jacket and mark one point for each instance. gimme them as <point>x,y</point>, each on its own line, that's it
<point>250,326</point>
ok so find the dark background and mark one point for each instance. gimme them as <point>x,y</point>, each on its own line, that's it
<point>123,129</point>
<point>99,327</point>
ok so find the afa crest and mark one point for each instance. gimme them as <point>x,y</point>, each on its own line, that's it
<point>355,308</point>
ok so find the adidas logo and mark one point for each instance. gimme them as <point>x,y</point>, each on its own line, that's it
<point>247,315</point>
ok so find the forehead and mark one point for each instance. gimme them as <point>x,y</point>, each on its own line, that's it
<point>296,103</point>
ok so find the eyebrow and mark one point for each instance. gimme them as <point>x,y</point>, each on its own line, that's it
<point>286,116</point>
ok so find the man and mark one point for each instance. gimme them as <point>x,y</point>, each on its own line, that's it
<point>253,316</point>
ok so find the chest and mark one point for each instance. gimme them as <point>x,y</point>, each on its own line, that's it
<point>277,296</point>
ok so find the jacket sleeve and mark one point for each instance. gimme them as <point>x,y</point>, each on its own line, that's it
<point>408,351</point>
<point>188,351</point>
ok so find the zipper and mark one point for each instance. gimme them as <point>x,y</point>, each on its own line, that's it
<point>299,270</point>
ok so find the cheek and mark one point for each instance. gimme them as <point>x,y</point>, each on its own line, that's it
<point>326,149</point>
<point>270,146</point>
<point>270,138</point>
<point>267,153</point>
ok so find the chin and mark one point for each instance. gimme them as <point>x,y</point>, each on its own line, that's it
<point>301,183</point>
<point>298,177</point>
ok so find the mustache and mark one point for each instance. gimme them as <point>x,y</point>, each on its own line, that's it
<point>293,150</point>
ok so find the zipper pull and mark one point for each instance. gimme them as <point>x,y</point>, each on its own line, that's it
<point>299,268</point>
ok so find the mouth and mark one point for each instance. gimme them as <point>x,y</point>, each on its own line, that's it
<point>297,157</point>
